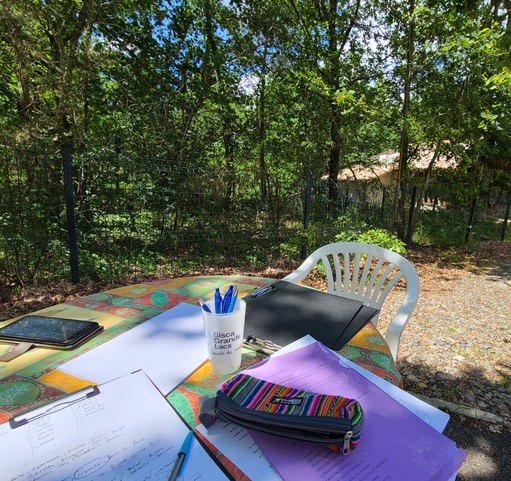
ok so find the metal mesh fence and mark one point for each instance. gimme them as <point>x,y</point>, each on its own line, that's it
<point>144,215</point>
<point>32,224</point>
<point>148,214</point>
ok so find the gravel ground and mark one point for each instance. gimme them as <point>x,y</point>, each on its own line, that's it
<point>457,348</point>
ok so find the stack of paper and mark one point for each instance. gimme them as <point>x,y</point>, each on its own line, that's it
<point>395,443</point>
<point>400,439</point>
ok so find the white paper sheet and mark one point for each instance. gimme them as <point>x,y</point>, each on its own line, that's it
<point>242,450</point>
<point>127,432</point>
<point>167,347</point>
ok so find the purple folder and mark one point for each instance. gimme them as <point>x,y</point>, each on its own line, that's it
<point>395,443</point>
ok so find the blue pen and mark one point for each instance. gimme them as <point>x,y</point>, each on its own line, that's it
<point>181,457</point>
<point>227,300</point>
<point>204,306</point>
<point>233,300</point>
<point>218,301</point>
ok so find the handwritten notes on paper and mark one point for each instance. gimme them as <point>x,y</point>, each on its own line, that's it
<point>128,432</point>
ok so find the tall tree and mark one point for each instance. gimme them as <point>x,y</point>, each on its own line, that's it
<point>404,142</point>
<point>330,31</point>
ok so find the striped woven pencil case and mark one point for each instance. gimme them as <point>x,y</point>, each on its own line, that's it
<point>332,421</point>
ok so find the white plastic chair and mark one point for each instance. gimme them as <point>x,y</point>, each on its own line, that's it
<point>367,273</point>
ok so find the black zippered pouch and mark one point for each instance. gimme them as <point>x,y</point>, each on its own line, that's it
<point>332,421</point>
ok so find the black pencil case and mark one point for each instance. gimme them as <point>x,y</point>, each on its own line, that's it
<point>332,421</point>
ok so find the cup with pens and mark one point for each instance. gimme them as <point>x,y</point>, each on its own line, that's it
<point>224,323</point>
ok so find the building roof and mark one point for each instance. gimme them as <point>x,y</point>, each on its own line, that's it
<point>388,162</point>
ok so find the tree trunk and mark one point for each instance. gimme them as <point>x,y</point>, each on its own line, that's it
<point>263,169</point>
<point>337,41</point>
<point>24,98</point>
<point>335,120</point>
<point>405,135</point>
<point>335,156</point>
<point>212,56</point>
<point>427,179</point>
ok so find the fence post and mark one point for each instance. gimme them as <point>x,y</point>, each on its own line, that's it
<point>70,212</point>
<point>471,218</point>
<point>410,218</point>
<point>306,211</point>
<point>506,217</point>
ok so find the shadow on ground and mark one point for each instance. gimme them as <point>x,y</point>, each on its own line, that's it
<point>488,443</point>
<point>489,453</point>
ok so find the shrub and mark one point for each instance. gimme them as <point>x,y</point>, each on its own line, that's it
<point>382,238</point>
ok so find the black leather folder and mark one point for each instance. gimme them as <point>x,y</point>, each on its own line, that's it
<point>286,312</point>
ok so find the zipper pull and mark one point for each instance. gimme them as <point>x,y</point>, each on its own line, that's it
<point>346,449</point>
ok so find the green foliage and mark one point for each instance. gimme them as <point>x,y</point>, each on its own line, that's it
<point>357,219</point>
<point>350,225</point>
<point>289,251</point>
<point>154,97</point>
<point>346,236</point>
<point>502,181</point>
<point>383,239</point>
<point>442,228</point>
<point>358,224</point>
<point>379,237</point>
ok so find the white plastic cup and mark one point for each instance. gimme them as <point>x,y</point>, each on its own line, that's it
<point>224,336</point>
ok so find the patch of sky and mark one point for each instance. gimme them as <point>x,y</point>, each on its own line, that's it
<point>248,83</point>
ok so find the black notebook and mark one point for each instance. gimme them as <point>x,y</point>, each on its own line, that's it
<point>286,312</point>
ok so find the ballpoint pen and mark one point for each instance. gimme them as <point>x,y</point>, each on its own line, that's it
<point>233,299</point>
<point>227,300</point>
<point>218,301</point>
<point>204,306</point>
<point>181,457</point>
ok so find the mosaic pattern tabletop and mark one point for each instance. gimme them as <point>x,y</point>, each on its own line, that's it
<point>32,378</point>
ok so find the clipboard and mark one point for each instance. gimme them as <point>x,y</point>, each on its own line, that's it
<point>52,406</point>
<point>112,431</point>
<point>284,312</point>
